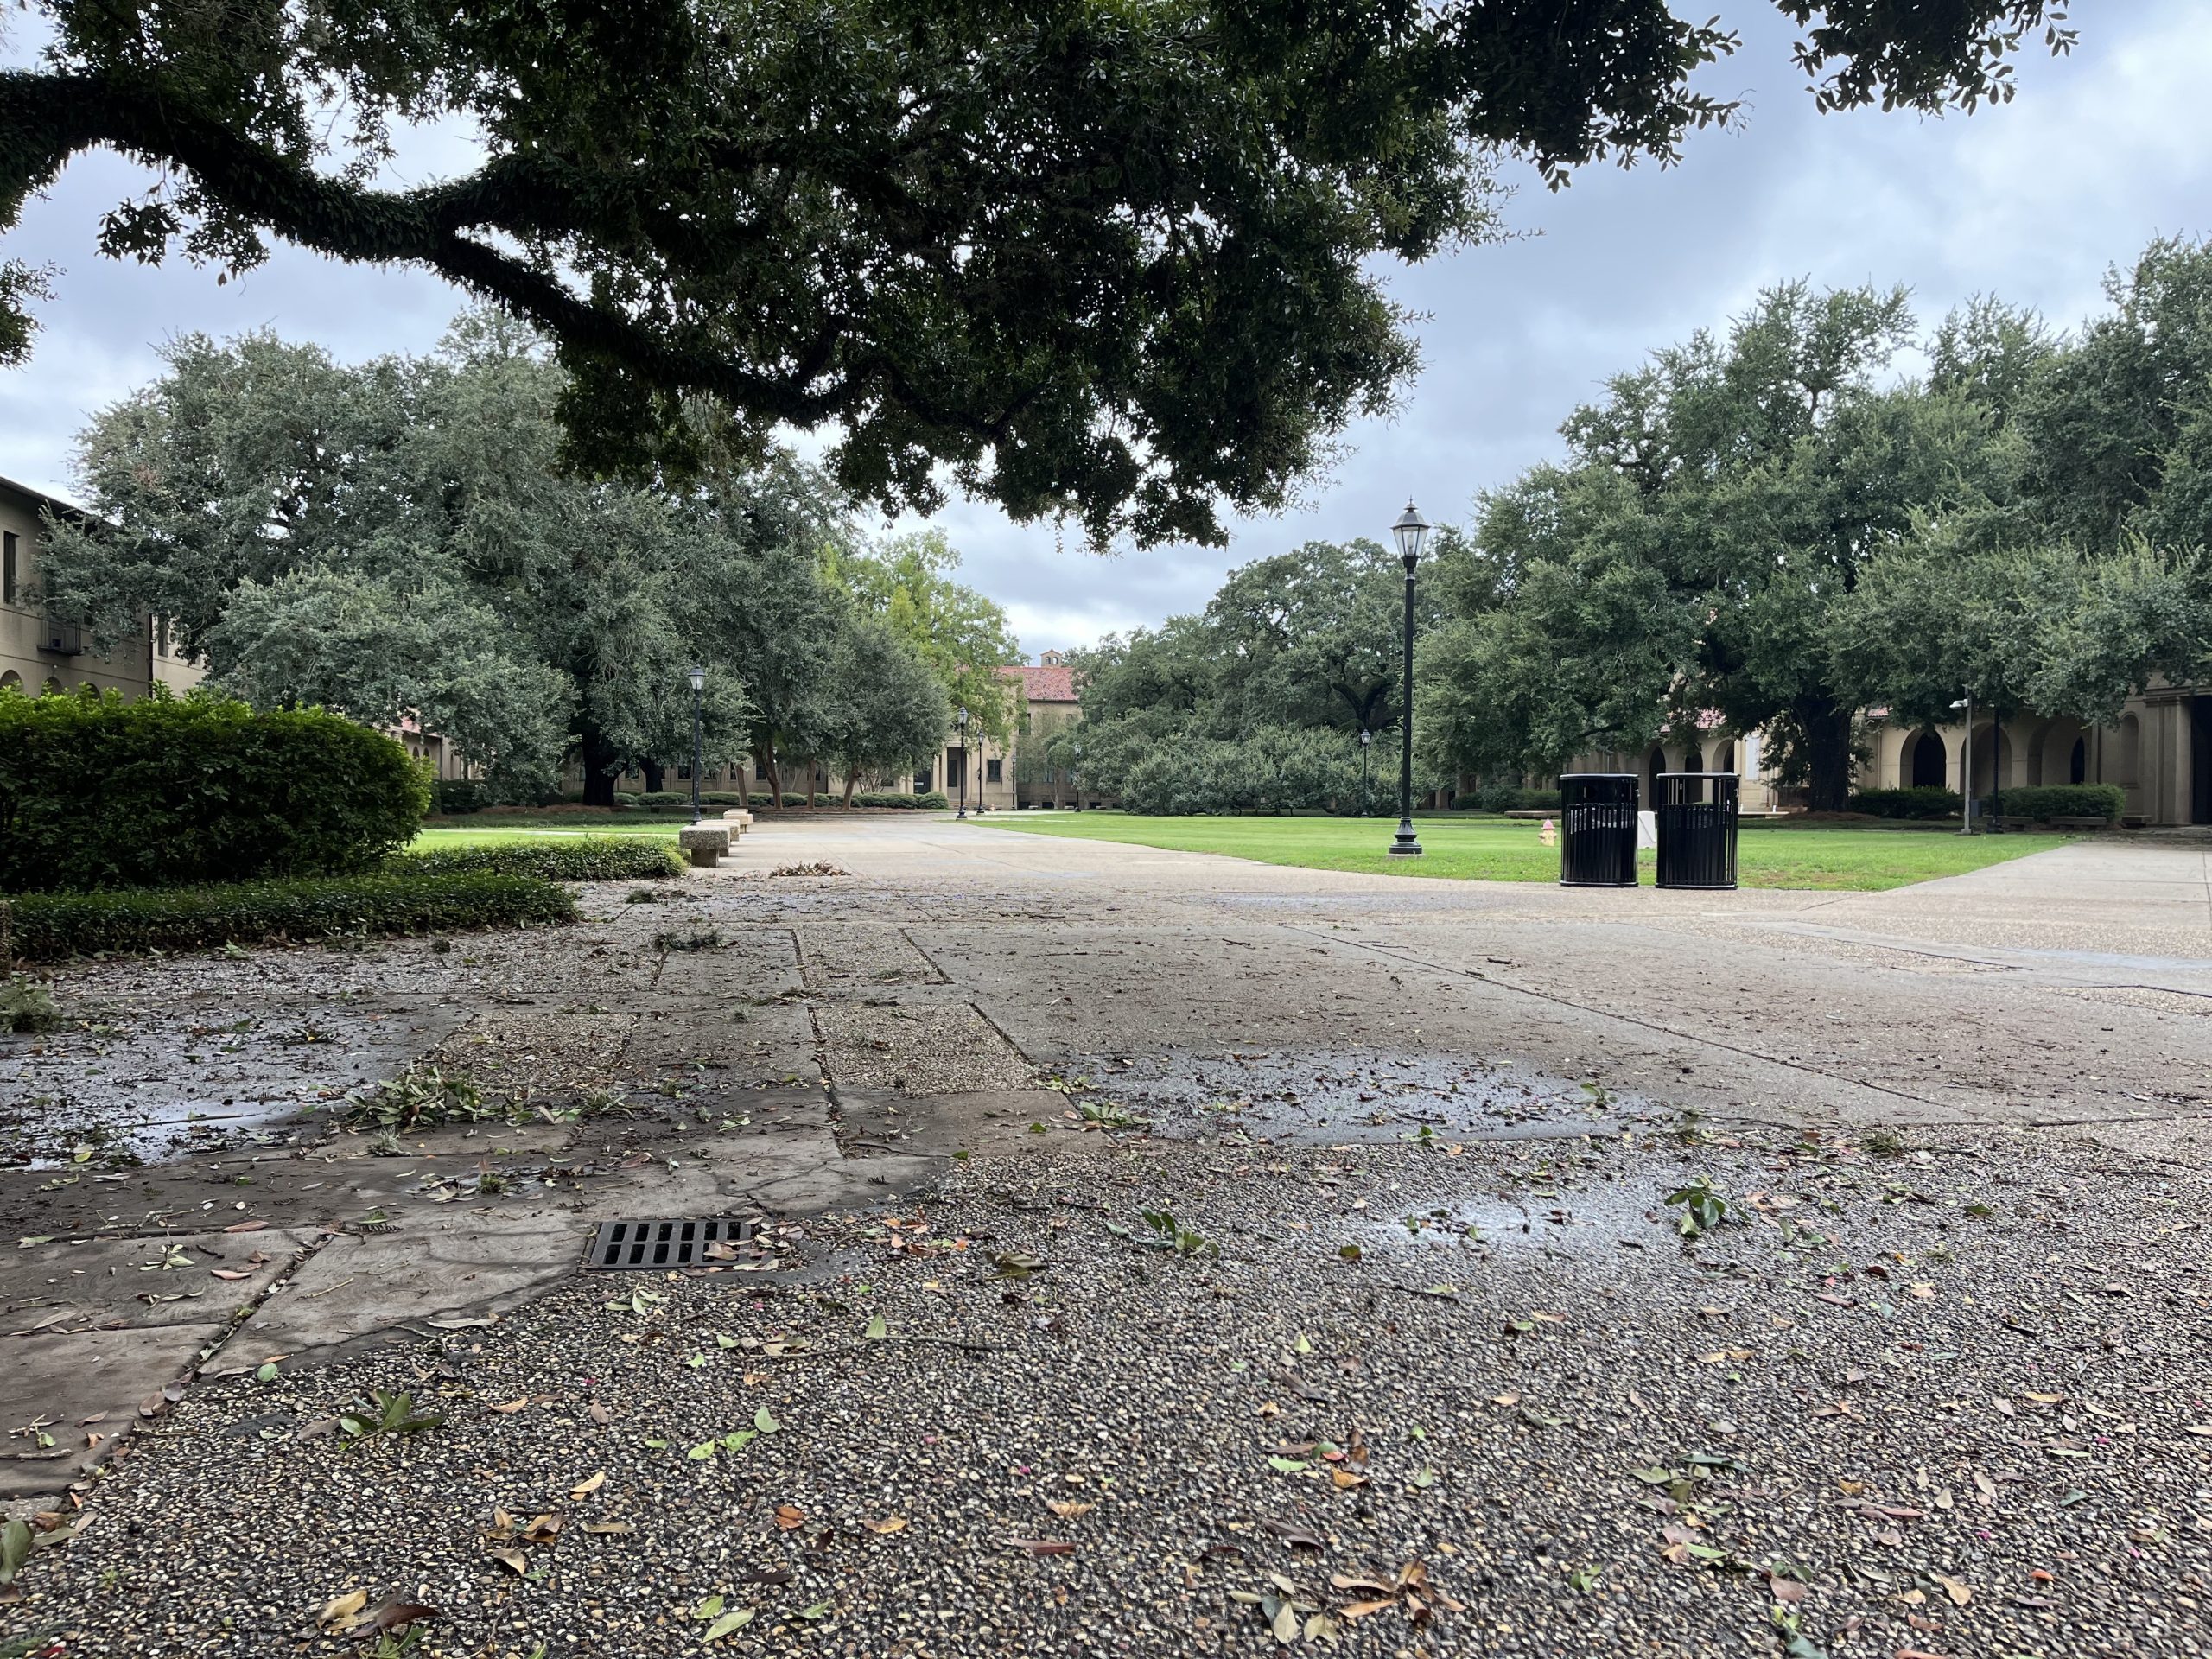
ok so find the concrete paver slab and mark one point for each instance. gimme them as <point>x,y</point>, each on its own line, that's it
<point>101,1376</point>
<point>140,1282</point>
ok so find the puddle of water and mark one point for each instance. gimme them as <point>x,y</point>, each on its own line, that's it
<point>1575,1221</point>
<point>1350,1096</point>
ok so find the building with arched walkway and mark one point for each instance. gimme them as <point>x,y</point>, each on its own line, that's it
<point>2158,751</point>
<point>39,653</point>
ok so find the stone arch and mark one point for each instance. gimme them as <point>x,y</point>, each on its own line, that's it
<point>11,680</point>
<point>1924,762</point>
<point>2061,754</point>
<point>1723,758</point>
<point>1653,763</point>
<point>1991,744</point>
<point>53,686</point>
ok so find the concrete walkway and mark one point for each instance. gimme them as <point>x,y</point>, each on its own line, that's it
<point>783,1045</point>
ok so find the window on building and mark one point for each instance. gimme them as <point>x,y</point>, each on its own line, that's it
<point>991,771</point>
<point>8,569</point>
<point>921,783</point>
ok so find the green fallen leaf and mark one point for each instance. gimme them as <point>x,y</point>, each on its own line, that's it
<point>704,1450</point>
<point>1351,1252</point>
<point>878,1328</point>
<point>722,1341</point>
<point>820,1609</point>
<point>1288,1465</point>
<point>1301,1346</point>
<point>764,1422</point>
<point>1653,1476</point>
<point>728,1625</point>
<point>709,1607</point>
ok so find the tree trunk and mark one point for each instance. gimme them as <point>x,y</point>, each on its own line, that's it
<point>599,762</point>
<point>656,775</point>
<point>773,768</point>
<point>1827,731</point>
<point>851,780</point>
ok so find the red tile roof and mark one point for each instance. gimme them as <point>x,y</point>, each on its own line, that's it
<point>1047,683</point>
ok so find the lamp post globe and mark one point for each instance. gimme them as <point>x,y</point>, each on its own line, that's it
<point>698,676</point>
<point>963,765</point>
<point>1410,532</point>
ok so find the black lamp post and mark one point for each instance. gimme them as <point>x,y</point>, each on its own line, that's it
<point>1411,530</point>
<point>963,812</point>
<point>1075,777</point>
<point>1366,766</point>
<point>698,736</point>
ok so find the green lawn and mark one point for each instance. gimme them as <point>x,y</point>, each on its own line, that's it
<point>1783,853</point>
<point>451,834</point>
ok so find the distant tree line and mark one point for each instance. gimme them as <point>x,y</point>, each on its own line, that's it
<point>402,540</point>
<point>1784,525</point>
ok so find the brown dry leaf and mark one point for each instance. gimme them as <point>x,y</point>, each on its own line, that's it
<point>1355,1581</point>
<point>1345,1480</point>
<point>542,1530</point>
<point>245,1227</point>
<point>513,1558</point>
<point>2047,1399</point>
<point>1361,1609</point>
<point>1959,1593</point>
<point>512,1406</point>
<point>341,1610</point>
<point>614,1528</point>
<point>1036,1546</point>
<point>790,1516</point>
<point>586,1488</point>
<point>397,1615</point>
<point>229,1272</point>
<point>600,1415</point>
<point>888,1525</point>
<point>1068,1512</point>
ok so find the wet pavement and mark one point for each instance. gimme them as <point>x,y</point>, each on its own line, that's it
<point>1433,1086</point>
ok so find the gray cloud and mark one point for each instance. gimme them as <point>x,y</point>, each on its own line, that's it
<point>2033,200</point>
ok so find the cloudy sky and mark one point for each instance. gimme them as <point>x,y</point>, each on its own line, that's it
<point>2033,201</point>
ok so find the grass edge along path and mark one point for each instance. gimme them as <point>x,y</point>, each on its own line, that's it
<point>1784,854</point>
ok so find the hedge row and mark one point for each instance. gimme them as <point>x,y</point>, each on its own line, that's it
<point>2103,801</point>
<point>46,927</point>
<point>1506,797</point>
<point>1928,801</point>
<point>97,792</point>
<point>589,858</point>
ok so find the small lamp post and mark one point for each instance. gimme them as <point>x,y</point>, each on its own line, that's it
<point>963,812</point>
<point>1366,768</point>
<point>1410,531</point>
<point>1075,777</point>
<point>1966,766</point>
<point>698,735</point>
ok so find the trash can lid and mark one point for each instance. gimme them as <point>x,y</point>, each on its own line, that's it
<point>1609,776</point>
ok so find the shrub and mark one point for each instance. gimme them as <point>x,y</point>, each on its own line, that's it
<point>97,792</point>
<point>1925,802</point>
<point>664,798</point>
<point>1507,798</point>
<point>26,1006</point>
<point>765,799</point>
<point>931,799</point>
<point>53,926</point>
<point>2103,801</point>
<point>453,796</point>
<point>580,858</point>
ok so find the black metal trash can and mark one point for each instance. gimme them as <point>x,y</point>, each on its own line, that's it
<point>1697,814</point>
<point>1597,842</point>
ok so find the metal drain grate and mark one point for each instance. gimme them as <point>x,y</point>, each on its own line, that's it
<point>656,1246</point>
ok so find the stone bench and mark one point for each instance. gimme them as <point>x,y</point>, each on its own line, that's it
<point>705,842</point>
<point>2081,823</point>
<point>739,820</point>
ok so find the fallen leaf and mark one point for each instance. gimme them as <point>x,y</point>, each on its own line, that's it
<point>599,1413</point>
<point>1345,1480</point>
<point>513,1558</point>
<point>1361,1609</point>
<point>245,1227</point>
<point>728,1625</point>
<point>339,1610</point>
<point>790,1516</point>
<point>586,1488</point>
<point>1068,1512</point>
<point>615,1526</point>
<point>888,1525</point>
<point>1037,1545</point>
<point>229,1272</point>
<point>397,1615</point>
<point>1960,1593</point>
<point>512,1406</point>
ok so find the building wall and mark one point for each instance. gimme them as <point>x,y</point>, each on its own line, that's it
<point>28,657</point>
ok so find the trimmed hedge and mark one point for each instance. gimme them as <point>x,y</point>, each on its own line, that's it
<point>933,800</point>
<point>453,796</point>
<point>593,858</point>
<point>1507,798</point>
<point>1926,801</point>
<point>2104,801</point>
<point>49,926</point>
<point>96,792</point>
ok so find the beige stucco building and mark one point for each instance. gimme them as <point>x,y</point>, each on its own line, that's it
<point>40,653</point>
<point>2160,752</point>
